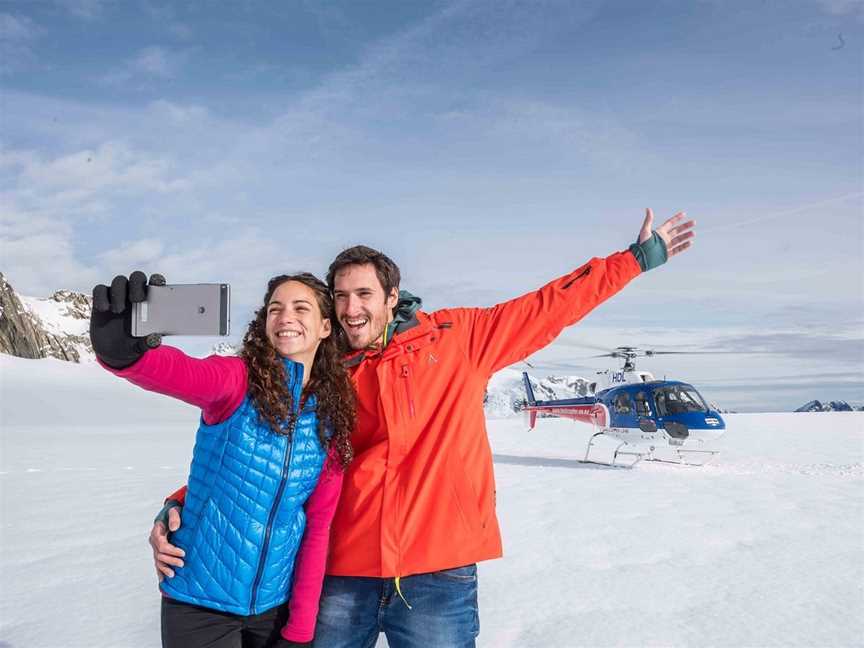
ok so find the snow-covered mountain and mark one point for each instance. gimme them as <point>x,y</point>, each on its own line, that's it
<point>224,349</point>
<point>828,406</point>
<point>53,327</point>
<point>505,393</point>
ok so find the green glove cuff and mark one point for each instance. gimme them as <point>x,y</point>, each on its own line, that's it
<point>162,515</point>
<point>651,253</point>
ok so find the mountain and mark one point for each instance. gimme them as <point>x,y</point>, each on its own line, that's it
<point>53,327</point>
<point>505,393</point>
<point>828,406</point>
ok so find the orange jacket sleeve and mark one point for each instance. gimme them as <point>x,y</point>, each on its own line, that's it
<point>503,334</point>
<point>179,495</point>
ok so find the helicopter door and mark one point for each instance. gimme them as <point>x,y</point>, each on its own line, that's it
<point>643,413</point>
<point>624,412</point>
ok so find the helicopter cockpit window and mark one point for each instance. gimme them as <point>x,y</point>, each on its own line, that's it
<point>642,407</point>
<point>622,403</point>
<point>678,399</point>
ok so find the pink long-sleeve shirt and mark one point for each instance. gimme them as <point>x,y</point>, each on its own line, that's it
<point>218,385</point>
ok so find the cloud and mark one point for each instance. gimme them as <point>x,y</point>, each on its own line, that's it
<point>143,253</point>
<point>146,67</point>
<point>17,35</point>
<point>39,256</point>
<point>83,184</point>
<point>85,9</point>
<point>809,346</point>
<point>165,16</point>
<point>842,7</point>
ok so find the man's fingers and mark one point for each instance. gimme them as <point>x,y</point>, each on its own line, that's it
<point>165,547</point>
<point>645,230</point>
<point>672,222</point>
<point>168,559</point>
<point>164,570</point>
<point>101,303</point>
<point>173,519</point>
<point>649,219</point>
<point>678,240</point>
<point>683,227</point>
<point>137,287</point>
<point>118,294</point>
<point>677,250</point>
<point>157,280</point>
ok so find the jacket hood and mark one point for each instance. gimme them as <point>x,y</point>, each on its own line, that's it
<point>403,315</point>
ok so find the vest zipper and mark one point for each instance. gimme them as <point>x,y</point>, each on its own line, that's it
<point>286,470</point>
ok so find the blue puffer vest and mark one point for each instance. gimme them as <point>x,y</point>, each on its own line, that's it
<point>243,519</point>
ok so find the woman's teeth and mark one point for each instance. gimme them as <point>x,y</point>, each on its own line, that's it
<point>290,334</point>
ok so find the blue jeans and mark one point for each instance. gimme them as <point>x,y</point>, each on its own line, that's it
<point>443,613</point>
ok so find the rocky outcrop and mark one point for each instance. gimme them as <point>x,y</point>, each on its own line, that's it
<point>829,406</point>
<point>56,327</point>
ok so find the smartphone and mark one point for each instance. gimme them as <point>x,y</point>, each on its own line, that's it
<point>183,309</point>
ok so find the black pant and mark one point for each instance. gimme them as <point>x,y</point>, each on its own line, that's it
<point>190,626</point>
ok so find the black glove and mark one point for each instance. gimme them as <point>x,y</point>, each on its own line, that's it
<point>111,320</point>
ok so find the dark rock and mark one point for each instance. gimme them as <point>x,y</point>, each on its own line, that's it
<point>23,334</point>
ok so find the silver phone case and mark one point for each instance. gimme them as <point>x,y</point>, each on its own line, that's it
<point>183,309</point>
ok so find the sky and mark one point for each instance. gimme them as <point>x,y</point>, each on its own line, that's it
<point>486,146</point>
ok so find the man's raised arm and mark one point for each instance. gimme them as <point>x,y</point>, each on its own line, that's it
<point>511,331</point>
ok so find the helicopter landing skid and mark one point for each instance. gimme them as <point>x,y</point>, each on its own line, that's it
<point>684,457</point>
<point>621,458</point>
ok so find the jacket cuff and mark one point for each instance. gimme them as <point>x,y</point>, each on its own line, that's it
<point>291,633</point>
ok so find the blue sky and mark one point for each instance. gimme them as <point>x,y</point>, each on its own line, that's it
<point>486,146</point>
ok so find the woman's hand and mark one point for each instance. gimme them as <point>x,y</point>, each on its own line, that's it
<point>111,320</point>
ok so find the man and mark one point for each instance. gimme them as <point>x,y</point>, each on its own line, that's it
<point>417,510</point>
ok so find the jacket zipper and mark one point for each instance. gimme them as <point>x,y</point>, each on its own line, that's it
<point>582,274</point>
<point>406,374</point>
<point>286,470</point>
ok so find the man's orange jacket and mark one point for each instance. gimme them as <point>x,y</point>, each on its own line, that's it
<point>420,493</point>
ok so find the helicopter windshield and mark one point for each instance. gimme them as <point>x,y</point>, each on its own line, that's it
<point>678,399</point>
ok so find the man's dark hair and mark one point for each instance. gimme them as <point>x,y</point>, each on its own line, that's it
<point>387,271</point>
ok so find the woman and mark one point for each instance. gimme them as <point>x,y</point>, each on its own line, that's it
<point>274,436</point>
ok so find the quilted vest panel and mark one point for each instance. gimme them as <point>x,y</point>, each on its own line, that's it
<point>243,519</point>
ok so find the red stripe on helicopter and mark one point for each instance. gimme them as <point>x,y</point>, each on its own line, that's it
<point>595,413</point>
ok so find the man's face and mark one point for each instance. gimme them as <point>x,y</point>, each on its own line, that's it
<point>362,307</point>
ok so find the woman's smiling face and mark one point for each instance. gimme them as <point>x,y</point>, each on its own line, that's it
<point>295,325</point>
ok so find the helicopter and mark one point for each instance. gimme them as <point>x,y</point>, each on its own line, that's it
<point>645,418</point>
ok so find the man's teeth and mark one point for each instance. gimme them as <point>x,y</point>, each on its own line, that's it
<point>287,334</point>
<point>356,322</point>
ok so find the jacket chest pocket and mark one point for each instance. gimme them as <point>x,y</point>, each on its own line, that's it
<point>413,365</point>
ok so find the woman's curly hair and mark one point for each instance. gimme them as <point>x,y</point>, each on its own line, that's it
<point>329,380</point>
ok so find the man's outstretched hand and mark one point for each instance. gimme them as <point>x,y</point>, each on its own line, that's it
<point>165,554</point>
<point>675,232</point>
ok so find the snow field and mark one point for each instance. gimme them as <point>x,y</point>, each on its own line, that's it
<point>763,548</point>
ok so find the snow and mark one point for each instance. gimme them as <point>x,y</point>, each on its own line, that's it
<point>55,316</point>
<point>765,547</point>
